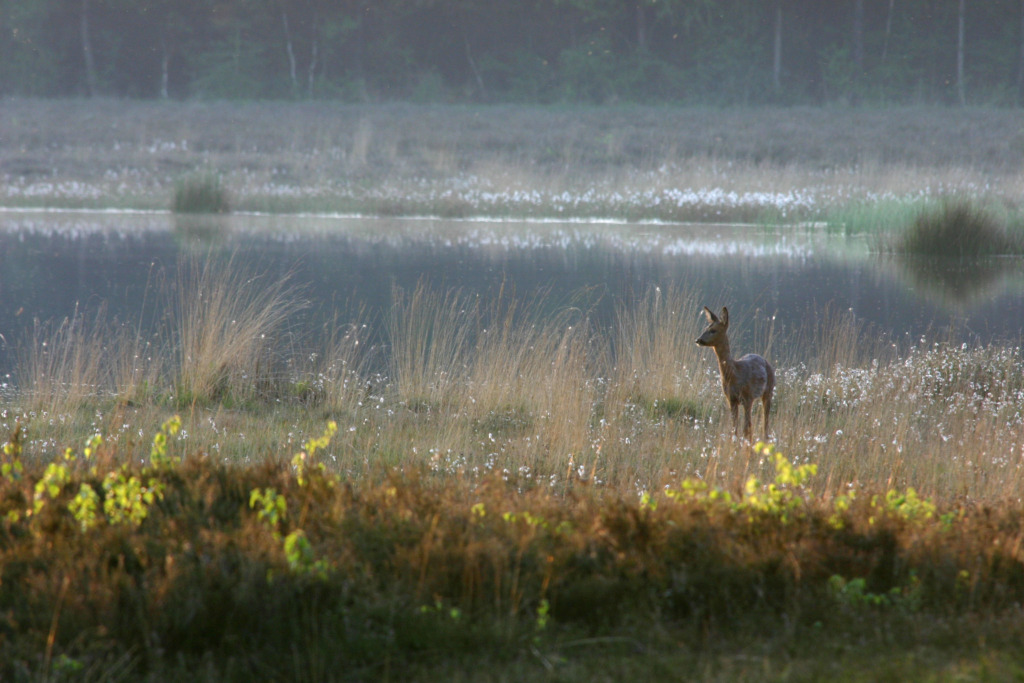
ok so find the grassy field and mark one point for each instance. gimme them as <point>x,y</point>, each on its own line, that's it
<point>488,490</point>
<point>625,162</point>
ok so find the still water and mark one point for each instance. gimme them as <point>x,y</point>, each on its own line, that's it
<point>54,264</point>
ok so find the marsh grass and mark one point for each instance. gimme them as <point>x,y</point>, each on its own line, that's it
<point>958,229</point>
<point>764,164</point>
<point>67,363</point>
<point>430,336</point>
<point>58,369</point>
<point>226,325</point>
<point>460,384</point>
<point>200,192</point>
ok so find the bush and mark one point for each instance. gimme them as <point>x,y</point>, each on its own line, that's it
<point>202,192</point>
<point>957,229</point>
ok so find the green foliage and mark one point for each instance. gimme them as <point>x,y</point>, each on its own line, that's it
<point>783,498</point>
<point>958,229</point>
<point>85,507</point>
<point>158,457</point>
<point>201,192</point>
<point>356,573</point>
<point>50,484</point>
<point>905,505</point>
<point>301,557</point>
<point>270,505</point>
<point>855,593</point>
<point>301,461</point>
<point>128,498</point>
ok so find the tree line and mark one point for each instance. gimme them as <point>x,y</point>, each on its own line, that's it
<point>685,51</point>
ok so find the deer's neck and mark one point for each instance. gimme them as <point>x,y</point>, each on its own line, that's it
<point>725,364</point>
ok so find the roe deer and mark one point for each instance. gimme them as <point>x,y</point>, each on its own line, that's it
<point>745,379</point>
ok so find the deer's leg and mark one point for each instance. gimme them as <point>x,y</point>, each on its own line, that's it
<point>748,430</point>
<point>766,403</point>
<point>734,406</point>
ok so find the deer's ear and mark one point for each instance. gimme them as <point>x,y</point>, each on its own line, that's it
<point>725,316</point>
<point>712,318</point>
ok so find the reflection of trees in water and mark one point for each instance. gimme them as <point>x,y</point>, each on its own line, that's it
<point>959,283</point>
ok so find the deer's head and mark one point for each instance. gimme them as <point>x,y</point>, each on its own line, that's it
<point>716,329</point>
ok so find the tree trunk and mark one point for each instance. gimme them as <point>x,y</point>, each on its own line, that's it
<point>960,54</point>
<point>292,71</point>
<point>777,51</point>
<point>90,63</point>
<point>641,27</point>
<point>313,53</point>
<point>858,36</point>
<point>477,76</point>
<point>165,63</point>
<point>888,31</point>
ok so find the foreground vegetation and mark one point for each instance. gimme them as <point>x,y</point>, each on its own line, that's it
<point>182,566</point>
<point>490,490</point>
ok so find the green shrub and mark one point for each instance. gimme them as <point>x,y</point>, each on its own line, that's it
<point>201,192</point>
<point>957,229</point>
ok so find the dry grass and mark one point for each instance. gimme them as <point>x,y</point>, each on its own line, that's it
<point>464,385</point>
<point>63,363</point>
<point>226,326</point>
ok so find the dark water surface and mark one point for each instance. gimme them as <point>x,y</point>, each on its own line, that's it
<point>52,264</point>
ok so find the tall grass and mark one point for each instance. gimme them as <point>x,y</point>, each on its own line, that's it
<point>430,336</point>
<point>64,363</point>
<point>465,385</point>
<point>227,324</point>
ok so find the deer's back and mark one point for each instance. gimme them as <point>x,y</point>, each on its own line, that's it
<point>754,377</point>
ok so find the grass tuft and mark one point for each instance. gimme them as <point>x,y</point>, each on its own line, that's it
<point>958,229</point>
<point>201,192</point>
<point>226,323</point>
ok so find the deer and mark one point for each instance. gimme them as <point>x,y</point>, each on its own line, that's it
<point>745,379</point>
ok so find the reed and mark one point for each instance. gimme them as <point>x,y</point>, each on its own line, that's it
<point>64,364</point>
<point>464,385</point>
<point>225,323</point>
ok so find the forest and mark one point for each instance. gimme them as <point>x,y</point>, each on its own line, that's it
<point>715,52</point>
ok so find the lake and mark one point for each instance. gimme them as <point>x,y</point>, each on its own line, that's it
<point>54,263</point>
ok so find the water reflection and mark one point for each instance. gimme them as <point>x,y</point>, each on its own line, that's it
<point>202,232</point>
<point>960,284</point>
<point>51,262</point>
